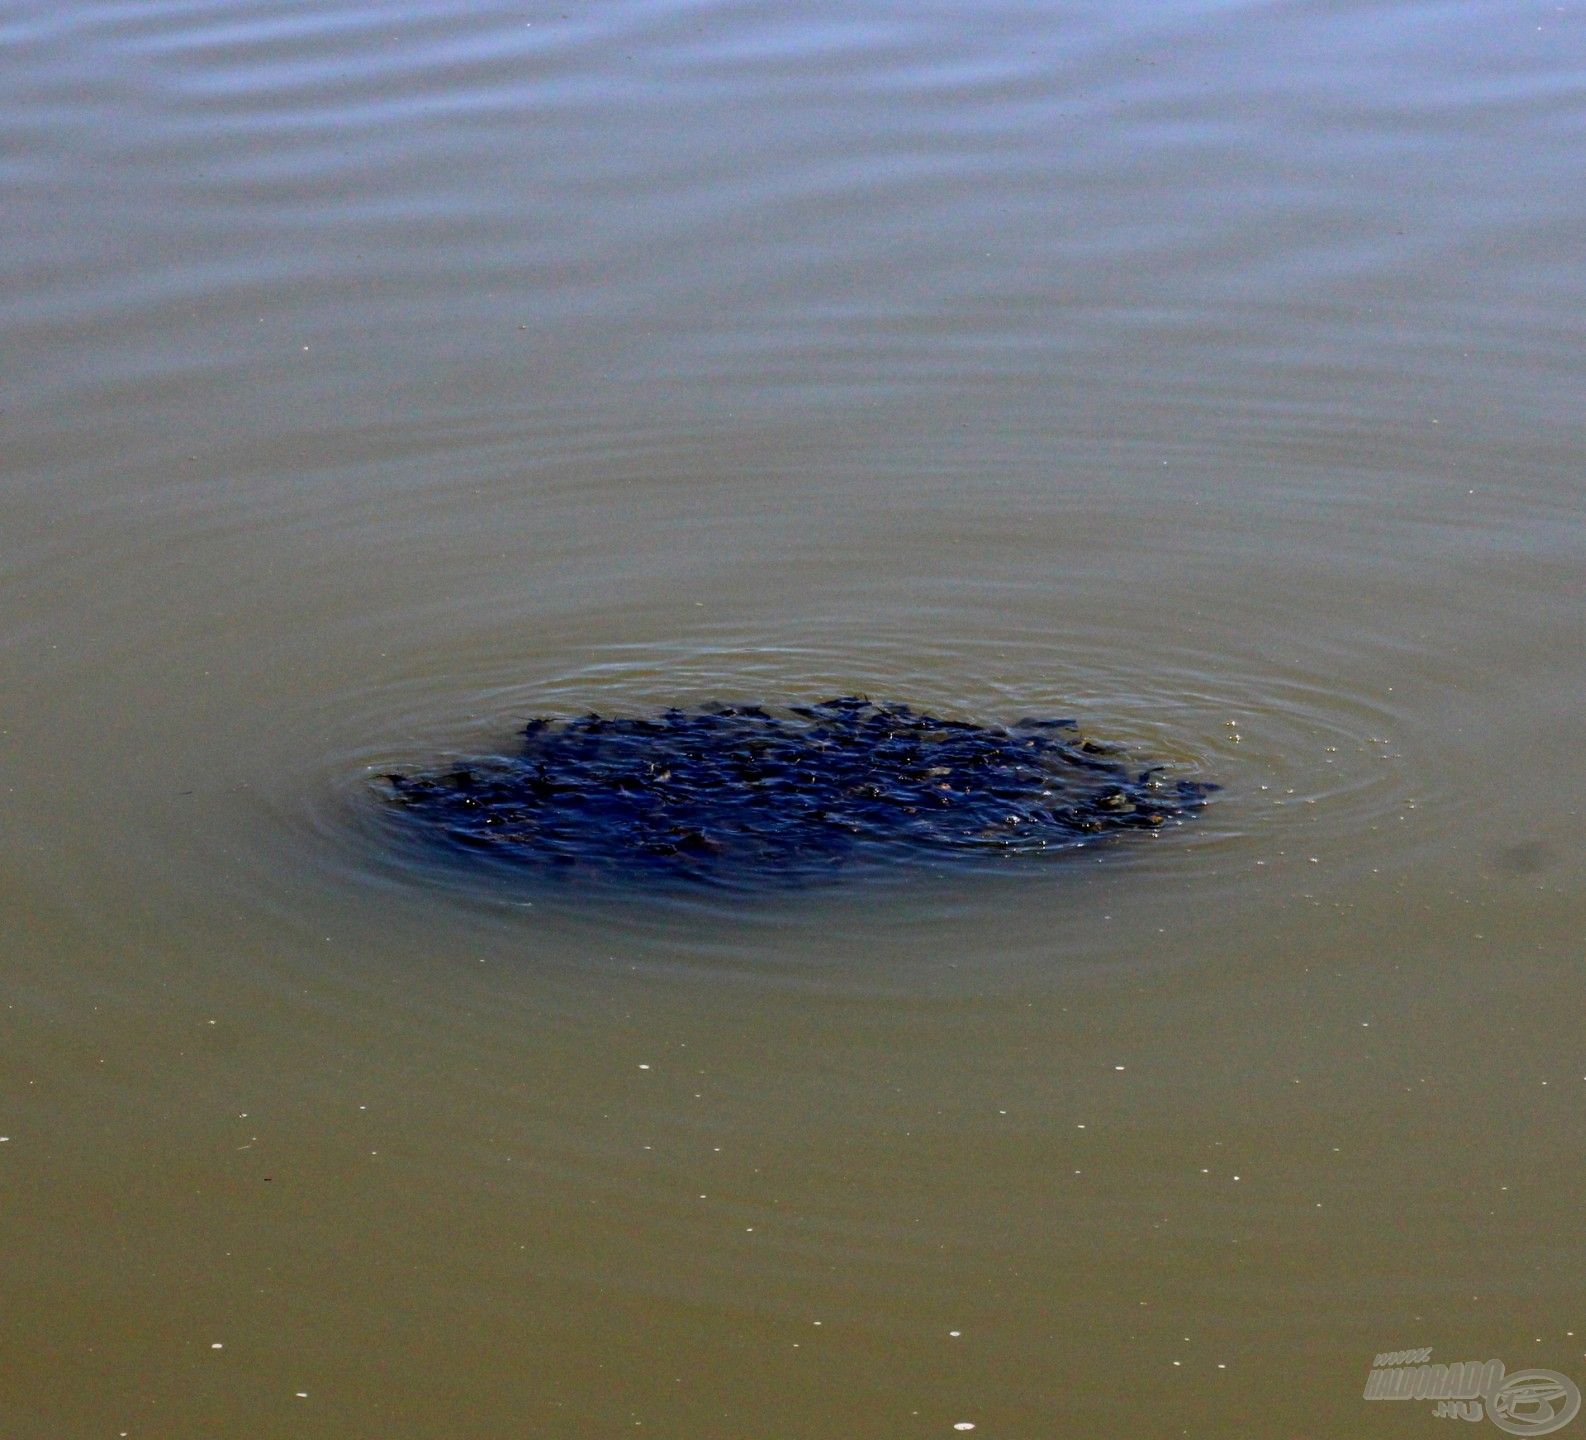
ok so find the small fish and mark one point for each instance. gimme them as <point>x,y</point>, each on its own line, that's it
<point>748,795</point>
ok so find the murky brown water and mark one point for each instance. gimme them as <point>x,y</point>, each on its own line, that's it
<point>373,375</point>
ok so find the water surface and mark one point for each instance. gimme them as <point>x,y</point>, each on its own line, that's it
<point>374,376</point>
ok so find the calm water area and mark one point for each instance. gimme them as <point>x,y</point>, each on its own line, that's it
<point>376,374</point>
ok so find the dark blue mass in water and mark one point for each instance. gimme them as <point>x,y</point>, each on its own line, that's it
<point>743,796</point>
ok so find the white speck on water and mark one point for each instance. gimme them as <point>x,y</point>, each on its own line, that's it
<point>964,1425</point>
<point>302,1394</point>
<point>217,1346</point>
<point>1118,1067</point>
<point>644,1067</point>
<point>955,1333</point>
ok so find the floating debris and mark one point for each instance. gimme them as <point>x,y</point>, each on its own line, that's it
<point>738,794</point>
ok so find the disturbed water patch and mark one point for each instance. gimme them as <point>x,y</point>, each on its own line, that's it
<point>744,795</point>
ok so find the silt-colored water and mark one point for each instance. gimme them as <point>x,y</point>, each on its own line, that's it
<point>374,376</point>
